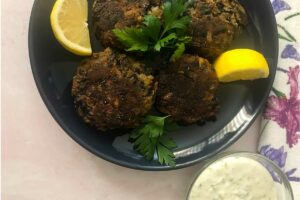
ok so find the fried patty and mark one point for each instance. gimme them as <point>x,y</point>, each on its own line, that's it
<point>112,90</point>
<point>110,14</point>
<point>187,90</point>
<point>215,23</point>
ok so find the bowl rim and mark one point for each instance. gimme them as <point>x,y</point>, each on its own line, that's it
<point>127,164</point>
<point>243,154</point>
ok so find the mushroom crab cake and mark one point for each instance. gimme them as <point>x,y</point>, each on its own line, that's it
<point>187,90</point>
<point>214,25</point>
<point>112,90</point>
<point>111,14</point>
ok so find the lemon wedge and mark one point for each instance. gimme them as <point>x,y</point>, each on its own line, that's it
<point>241,64</point>
<point>69,24</point>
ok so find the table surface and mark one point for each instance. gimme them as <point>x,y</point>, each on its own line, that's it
<point>41,162</point>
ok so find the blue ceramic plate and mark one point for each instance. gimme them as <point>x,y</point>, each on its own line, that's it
<point>53,68</point>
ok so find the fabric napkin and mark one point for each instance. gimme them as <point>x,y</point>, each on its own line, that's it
<point>280,133</point>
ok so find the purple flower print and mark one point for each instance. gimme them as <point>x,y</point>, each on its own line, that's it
<point>290,52</point>
<point>279,5</point>
<point>286,111</point>
<point>276,155</point>
<point>279,156</point>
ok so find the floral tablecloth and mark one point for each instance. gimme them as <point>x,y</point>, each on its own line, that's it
<point>280,133</point>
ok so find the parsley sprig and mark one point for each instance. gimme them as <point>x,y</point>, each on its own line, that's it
<point>152,138</point>
<point>155,34</point>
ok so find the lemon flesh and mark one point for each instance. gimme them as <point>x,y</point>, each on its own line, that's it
<point>69,24</point>
<point>241,64</point>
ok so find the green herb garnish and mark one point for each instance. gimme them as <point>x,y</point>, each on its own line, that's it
<point>155,34</point>
<point>152,138</point>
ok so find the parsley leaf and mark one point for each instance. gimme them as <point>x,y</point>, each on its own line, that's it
<point>156,33</point>
<point>178,52</point>
<point>172,10</point>
<point>185,39</point>
<point>153,26</point>
<point>133,38</point>
<point>164,41</point>
<point>151,138</point>
<point>180,23</point>
<point>165,155</point>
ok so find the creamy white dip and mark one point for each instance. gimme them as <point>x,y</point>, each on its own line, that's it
<point>234,179</point>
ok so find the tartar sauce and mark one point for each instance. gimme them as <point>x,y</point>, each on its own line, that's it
<point>234,179</point>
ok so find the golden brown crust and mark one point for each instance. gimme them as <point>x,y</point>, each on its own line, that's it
<point>112,90</point>
<point>215,23</point>
<point>187,90</point>
<point>110,14</point>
